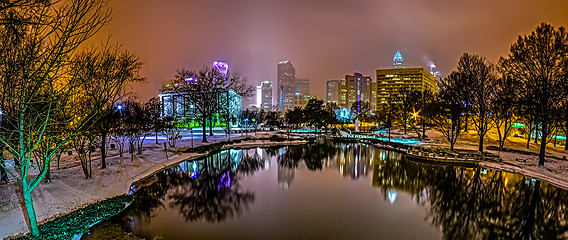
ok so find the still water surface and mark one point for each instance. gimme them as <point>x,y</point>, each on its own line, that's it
<point>336,191</point>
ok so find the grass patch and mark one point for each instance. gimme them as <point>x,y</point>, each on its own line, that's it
<point>79,221</point>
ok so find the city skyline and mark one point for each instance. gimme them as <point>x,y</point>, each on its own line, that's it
<point>318,38</point>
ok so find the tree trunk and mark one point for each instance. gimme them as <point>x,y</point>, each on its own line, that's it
<point>211,126</point>
<point>131,150</point>
<point>156,136</point>
<point>423,128</point>
<point>542,152</point>
<point>28,201</point>
<point>59,152</point>
<point>465,125</point>
<point>103,150</point>
<point>3,173</point>
<point>204,131</point>
<point>141,144</point>
<point>481,136</point>
<point>566,136</point>
<point>529,135</point>
<point>48,173</point>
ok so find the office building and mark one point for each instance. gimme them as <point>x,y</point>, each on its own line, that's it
<point>354,88</point>
<point>390,81</point>
<point>332,90</point>
<point>266,99</point>
<point>175,99</point>
<point>300,100</point>
<point>286,77</point>
<point>302,86</point>
<point>258,96</point>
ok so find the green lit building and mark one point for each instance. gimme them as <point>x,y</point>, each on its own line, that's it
<point>175,103</point>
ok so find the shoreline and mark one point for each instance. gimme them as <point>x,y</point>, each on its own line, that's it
<point>246,143</point>
<point>125,185</point>
<point>506,165</point>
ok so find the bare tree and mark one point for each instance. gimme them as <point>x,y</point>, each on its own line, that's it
<point>37,84</point>
<point>153,109</point>
<point>102,72</point>
<point>201,93</point>
<point>427,110</point>
<point>84,145</point>
<point>170,130</point>
<point>539,65</point>
<point>208,93</point>
<point>407,101</point>
<point>480,75</point>
<point>451,105</point>
<point>504,108</point>
<point>388,114</point>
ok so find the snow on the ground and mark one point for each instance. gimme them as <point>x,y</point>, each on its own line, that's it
<point>70,190</point>
<point>555,170</point>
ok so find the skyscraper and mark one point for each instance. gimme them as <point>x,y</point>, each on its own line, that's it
<point>390,81</point>
<point>266,99</point>
<point>258,96</point>
<point>286,90</point>
<point>332,90</point>
<point>302,86</point>
<point>353,89</point>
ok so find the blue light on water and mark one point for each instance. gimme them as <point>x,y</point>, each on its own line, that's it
<point>391,194</point>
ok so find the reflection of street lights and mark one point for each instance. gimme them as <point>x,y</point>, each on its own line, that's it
<point>246,123</point>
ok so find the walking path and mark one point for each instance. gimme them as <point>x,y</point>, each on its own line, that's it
<point>69,189</point>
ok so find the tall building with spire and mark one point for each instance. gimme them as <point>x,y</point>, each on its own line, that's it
<point>398,60</point>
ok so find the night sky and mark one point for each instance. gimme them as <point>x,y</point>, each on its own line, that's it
<point>323,39</point>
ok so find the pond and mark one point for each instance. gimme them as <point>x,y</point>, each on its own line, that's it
<point>336,191</point>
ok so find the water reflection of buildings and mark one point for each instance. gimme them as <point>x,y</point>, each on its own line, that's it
<point>230,158</point>
<point>285,176</point>
<point>354,160</point>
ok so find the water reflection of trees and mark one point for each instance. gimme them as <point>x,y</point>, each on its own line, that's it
<point>216,193</point>
<point>208,189</point>
<point>313,155</point>
<point>478,203</point>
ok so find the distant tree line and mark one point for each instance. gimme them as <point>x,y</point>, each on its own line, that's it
<point>528,86</point>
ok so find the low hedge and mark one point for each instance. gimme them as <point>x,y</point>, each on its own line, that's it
<point>80,221</point>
